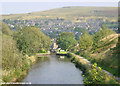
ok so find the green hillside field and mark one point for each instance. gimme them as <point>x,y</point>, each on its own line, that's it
<point>68,13</point>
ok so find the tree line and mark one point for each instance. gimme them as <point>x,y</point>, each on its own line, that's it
<point>66,40</point>
<point>16,45</point>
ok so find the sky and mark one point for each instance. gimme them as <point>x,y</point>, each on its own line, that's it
<point>59,0</point>
<point>25,6</point>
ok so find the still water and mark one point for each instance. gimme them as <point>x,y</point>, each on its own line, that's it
<point>54,70</point>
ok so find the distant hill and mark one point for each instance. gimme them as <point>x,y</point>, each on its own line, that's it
<point>68,13</point>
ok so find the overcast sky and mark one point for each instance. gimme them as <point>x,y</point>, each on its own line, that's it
<point>18,6</point>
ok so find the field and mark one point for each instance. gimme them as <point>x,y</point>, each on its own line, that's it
<point>70,13</point>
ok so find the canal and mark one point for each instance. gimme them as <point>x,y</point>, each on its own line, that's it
<point>54,70</point>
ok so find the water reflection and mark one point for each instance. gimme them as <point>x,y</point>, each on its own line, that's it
<point>54,70</point>
<point>63,58</point>
<point>43,59</point>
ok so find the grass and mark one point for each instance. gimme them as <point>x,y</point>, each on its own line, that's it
<point>104,46</point>
<point>62,52</point>
<point>67,13</point>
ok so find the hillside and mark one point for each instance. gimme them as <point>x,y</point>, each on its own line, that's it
<point>105,55</point>
<point>68,13</point>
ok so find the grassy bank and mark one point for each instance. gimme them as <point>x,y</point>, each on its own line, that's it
<point>62,52</point>
<point>19,75</point>
<point>91,74</point>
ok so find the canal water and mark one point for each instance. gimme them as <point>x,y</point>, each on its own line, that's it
<point>54,70</point>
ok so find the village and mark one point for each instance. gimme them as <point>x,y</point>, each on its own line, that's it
<point>52,27</point>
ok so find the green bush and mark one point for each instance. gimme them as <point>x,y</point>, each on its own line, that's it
<point>25,64</point>
<point>17,73</point>
<point>95,76</point>
<point>7,78</point>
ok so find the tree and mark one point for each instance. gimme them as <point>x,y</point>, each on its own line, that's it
<point>5,29</point>
<point>77,29</point>
<point>31,40</point>
<point>12,58</point>
<point>66,40</point>
<point>85,41</point>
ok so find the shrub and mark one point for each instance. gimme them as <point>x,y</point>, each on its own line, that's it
<point>95,76</point>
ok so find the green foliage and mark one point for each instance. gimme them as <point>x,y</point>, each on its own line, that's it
<point>79,29</point>
<point>25,64</point>
<point>66,40</point>
<point>85,41</point>
<point>109,61</point>
<point>5,29</point>
<point>92,74</point>
<point>103,55</point>
<point>11,57</point>
<point>7,78</point>
<point>77,37</point>
<point>84,54</point>
<point>14,64</point>
<point>31,40</point>
<point>100,35</point>
<point>96,76</point>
